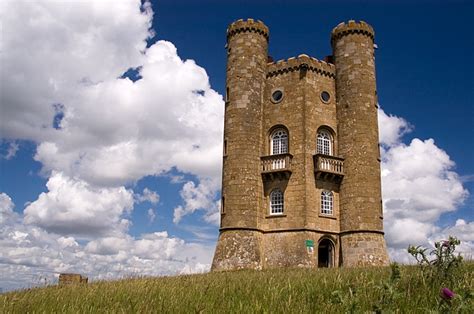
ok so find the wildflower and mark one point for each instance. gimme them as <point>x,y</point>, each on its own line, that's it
<point>446,294</point>
<point>446,243</point>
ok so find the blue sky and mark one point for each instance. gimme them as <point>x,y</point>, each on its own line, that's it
<point>124,177</point>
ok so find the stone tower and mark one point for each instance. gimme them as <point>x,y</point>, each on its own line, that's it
<point>301,167</point>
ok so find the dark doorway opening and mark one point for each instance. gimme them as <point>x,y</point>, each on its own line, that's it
<point>325,253</point>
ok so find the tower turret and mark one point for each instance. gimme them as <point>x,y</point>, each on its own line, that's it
<point>239,239</point>
<point>362,240</point>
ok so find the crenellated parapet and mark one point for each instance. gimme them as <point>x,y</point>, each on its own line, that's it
<point>249,25</point>
<point>302,62</point>
<point>352,27</point>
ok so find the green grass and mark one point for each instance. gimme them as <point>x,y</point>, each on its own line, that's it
<point>270,291</point>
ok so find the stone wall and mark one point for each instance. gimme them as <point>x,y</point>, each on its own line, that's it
<point>250,237</point>
<point>238,249</point>
<point>67,279</point>
<point>364,249</point>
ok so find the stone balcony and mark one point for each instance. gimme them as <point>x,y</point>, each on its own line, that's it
<point>276,166</point>
<point>328,167</point>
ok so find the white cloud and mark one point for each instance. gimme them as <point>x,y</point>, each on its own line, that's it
<point>6,208</point>
<point>200,197</point>
<point>54,47</point>
<point>31,256</point>
<point>418,181</point>
<point>95,133</point>
<point>113,131</point>
<point>72,206</point>
<point>148,196</point>
<point>151,215</point>
<point>464,231</point>
<point>11,150</point>
<point>418,186</point>
<point>119,131</point>
<point>392,128</point>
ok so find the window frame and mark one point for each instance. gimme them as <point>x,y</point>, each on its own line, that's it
<point>277,202</point>
<point>327,203</point>
<point>324,139</point>
<point>280,142</point>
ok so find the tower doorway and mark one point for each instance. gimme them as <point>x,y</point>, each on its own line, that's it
<point>325,253</point>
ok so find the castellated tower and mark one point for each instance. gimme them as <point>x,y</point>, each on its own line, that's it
<point>301,174</point>
<point>362,241</point>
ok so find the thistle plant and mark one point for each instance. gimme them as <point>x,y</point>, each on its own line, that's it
<point>442,267</point>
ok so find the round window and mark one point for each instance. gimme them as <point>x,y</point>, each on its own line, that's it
<point>277,96</point>
<point>325,96</point>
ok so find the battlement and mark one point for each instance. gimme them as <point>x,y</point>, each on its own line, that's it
<point>249,25</point>
<point>352,27</point>
<point>302,62</point>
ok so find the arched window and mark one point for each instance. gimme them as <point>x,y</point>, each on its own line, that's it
<point>324,142</point>
<point>279,142</point>
<point>276,202</point>
<point>326,202</point>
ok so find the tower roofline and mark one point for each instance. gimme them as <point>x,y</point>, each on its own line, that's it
<point>297,63</point>
<point>352,27</point>
<point>249,25</point>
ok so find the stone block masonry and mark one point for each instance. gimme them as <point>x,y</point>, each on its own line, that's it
<point>67,279</point>
<point>301,167</point>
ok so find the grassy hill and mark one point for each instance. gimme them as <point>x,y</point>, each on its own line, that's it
<point>269,291</point>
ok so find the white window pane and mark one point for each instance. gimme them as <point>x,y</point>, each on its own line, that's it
<point>279,142</point>
<point>276,202</point>
<point>326,202</point>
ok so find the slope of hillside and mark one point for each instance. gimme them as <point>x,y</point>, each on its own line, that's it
<point>270,291</point>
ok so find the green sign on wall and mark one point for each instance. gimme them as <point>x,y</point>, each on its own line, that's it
<point>309,243</point>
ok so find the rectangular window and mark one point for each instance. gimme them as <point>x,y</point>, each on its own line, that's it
<point>326,203</point>
<point>276,202</point>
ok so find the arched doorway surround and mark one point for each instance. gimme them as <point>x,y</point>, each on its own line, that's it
<point>325,253</point>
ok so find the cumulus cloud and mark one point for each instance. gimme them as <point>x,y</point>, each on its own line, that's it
<point>118,131</point>
<point>199,197</point>
<point>89,122</point>
<point>52,48</point>
<point>111,131</point>
<point>31,255</point>
<point>419,185</point>
<point>464,231</point>
<point>148,196</point>
<point>97,132</point>
<point>72,206</point>
<point>392,128</point>
<point>6,209</point>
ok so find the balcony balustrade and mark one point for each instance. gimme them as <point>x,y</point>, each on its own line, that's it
<point>276,166</point>
<point>328,167</point>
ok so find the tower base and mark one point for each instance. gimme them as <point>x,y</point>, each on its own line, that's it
<point>363,249</point>
<point>237,249</point>
<point>255,249</point>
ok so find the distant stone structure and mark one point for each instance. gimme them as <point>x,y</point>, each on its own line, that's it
<point>67,279</point>
<point>301,168</point>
